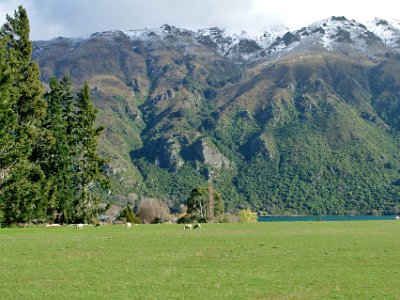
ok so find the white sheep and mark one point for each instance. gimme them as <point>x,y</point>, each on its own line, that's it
<point>79,226</point>
<point>397,218</point>
<point>187,226</point>
<point>128,225</point>
<point>197,226</point>
<point>52,225</point>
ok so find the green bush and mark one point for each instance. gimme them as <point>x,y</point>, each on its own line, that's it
<point>128,215</point>
<point>247,216</point>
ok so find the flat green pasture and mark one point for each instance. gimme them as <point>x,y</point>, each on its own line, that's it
<point>283,260</point>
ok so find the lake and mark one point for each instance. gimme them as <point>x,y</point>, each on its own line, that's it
<point>323,218</point>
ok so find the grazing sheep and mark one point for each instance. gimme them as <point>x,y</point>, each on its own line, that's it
<point>197,226</point>
<point>187,226</point>
<point>397,218</point>
<point>128,225</point>
<point>79,226</point>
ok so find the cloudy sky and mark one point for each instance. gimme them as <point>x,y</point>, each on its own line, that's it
<point>70,18</point>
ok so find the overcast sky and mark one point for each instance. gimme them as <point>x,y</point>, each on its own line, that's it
<point>71,18</point>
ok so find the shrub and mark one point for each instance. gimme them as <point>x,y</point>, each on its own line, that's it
<point>228,218</point>
<point>191,219</point>
<point>184,220</point>
<point>156,220</point>
<point>247,216</point>
<point>151,209</point>
<point>128,215</point>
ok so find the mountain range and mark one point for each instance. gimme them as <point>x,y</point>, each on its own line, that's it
<point>303,121</point>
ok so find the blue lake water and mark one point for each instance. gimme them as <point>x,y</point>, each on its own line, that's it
<point>322,218</point>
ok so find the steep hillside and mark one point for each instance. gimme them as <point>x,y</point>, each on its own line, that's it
<point>302,122</point>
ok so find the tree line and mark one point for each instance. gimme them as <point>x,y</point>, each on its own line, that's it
<point>49,164</point>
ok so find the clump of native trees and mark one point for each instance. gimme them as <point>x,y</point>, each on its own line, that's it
<point>49,164</point>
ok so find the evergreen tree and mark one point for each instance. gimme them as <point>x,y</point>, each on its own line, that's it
<point>57,157</point>
<point>22,190</point>
<point>8,121</point>
<point>88,163</point>
<point>70,161</point>
<point>30,104</point>
<point>49,163</point>
<point>128,215</point>
<point>8,117</point>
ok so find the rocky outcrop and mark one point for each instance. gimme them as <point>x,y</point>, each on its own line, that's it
<point>168,154</point>
<point>206,152</point>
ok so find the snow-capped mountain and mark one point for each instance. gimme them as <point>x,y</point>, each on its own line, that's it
<point>242,44</point>
<point>317,104</point>
<point>332,34</point>
<point>335,34</point>
<point>388,31</point>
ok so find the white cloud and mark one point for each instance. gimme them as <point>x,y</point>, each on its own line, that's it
<point>51,18</point>
<point>6,7</point>
<point>296,14</point>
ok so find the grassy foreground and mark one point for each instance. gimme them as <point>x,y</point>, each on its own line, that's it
<point>293,260</point>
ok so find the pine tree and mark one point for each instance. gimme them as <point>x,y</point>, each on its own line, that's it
<point>56,158</point>
<point>70,161</point>
<point>8,117</point>
<point>8,122</point>
<point>22,189</point>
<point>88,163</point>
<point>49,162</point>
<point>30,105</point>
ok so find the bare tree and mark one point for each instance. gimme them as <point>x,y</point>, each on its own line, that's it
<point>151,210</point>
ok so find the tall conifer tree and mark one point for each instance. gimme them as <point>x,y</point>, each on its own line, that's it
<point>8,121</point>
<point>57,157</point>
<point>49,164</point>
<point>8,117</point>
<point>88,162</point>
<point>23,187</point>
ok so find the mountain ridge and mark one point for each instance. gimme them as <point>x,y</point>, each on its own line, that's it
<point>269,40</point>
<point>304,121</point>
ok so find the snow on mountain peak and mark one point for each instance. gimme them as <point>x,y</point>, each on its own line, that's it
<point>242,44</point>
<point>331,34</point>
<point>388,31</point>
<point>336,33</point>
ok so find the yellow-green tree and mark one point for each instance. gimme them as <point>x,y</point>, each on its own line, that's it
<point>247,216</point>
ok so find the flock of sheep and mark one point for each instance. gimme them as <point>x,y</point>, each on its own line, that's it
<point>129,225</point>
<point>192,226</point>
<point>185,227</point>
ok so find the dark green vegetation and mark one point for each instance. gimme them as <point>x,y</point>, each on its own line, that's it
<point>293,260</point>
<point>49,163</point>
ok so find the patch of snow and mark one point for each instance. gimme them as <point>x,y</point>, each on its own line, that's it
<point>146,35</point>
<point>332,34</point>
<point>229,42</point>
<point>270,35</point>
<point>388,31</point>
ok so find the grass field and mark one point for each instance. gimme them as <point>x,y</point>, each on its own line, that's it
<point>283,260</point>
